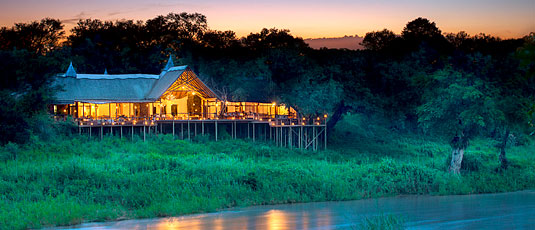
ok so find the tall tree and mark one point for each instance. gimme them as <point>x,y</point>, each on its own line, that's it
<point>378,40</point>
<point>457,106</point>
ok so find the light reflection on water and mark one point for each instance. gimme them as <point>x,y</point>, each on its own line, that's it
<point>489,211</point>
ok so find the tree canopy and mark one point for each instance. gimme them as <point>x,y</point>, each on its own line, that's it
<point>452,85</point>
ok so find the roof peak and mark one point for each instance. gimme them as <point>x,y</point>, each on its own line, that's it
<point>70,71</point>
<point>169,64</point>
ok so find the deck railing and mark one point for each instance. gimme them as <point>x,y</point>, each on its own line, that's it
<point>273,120</point>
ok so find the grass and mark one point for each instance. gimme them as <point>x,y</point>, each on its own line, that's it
<point>70,180</point>
<point>381,222</point>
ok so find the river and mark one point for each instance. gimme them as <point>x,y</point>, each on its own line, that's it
<point>514,210</point>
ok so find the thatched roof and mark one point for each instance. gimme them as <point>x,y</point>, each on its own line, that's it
<point>106,88</point>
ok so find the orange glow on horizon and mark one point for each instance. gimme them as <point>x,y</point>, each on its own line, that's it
<point>306,19</point>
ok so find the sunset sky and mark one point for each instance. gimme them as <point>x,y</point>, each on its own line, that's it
<point>304,18</point>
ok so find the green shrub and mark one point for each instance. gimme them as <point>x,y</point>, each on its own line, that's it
<point>382,222</point>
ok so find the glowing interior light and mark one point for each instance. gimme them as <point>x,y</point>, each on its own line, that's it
<point>325,116</point>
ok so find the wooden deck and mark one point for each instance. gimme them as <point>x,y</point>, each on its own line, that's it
<point>289,132</point>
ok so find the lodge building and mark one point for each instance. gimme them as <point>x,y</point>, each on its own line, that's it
<point>175,97</point>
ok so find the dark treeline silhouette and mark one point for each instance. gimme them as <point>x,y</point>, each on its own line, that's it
<point>453,85</point>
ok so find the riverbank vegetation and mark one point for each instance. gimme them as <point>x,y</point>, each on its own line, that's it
<point>68,180</point>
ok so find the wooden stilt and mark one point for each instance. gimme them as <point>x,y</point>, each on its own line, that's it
<point>189,132</point>
<point>314,140</point>
<point>248,132</point>
<point>300,139</point>
<point>101,131</point>
<point>132,132</point>
<point>143,131</point>
<point>325,135</point>
<point>182,131</point>
<point>290,144</point>
<point>253,133</point>
<point>89,132</point>
<point>173,129</point>
<point>276,136</point>
<point>202,127</point>
<point>215,130</point>
<point>270,136</point>
<point>121,132</point>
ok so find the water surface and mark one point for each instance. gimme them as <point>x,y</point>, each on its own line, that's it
<point>514,210</point>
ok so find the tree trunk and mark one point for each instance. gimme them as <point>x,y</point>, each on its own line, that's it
<point>503,158</point>
<point>456,160</point>
<point>337,116</point>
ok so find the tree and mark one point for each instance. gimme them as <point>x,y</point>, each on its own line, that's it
<point>422,31</point>
<point>457,106</point>
<point>378,40</point>
<point>38,37</point>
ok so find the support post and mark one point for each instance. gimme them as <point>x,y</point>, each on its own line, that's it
<point>173,128</point>
<point>325,134</point>
<point>189,132</point>
<point>132,132</point>
<point>253,133</point>
<point>121,131</point>
<point>290,144</point>
<point>143,131</point>
<point>216,130</point>
<point>101,131</point>
<point>314,138</point>
<point>270,135</point>
<point>300,138</point>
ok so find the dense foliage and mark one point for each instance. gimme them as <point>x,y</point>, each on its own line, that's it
<point>393,76</point>
<point>476,93</point>
<point>70,180</point>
